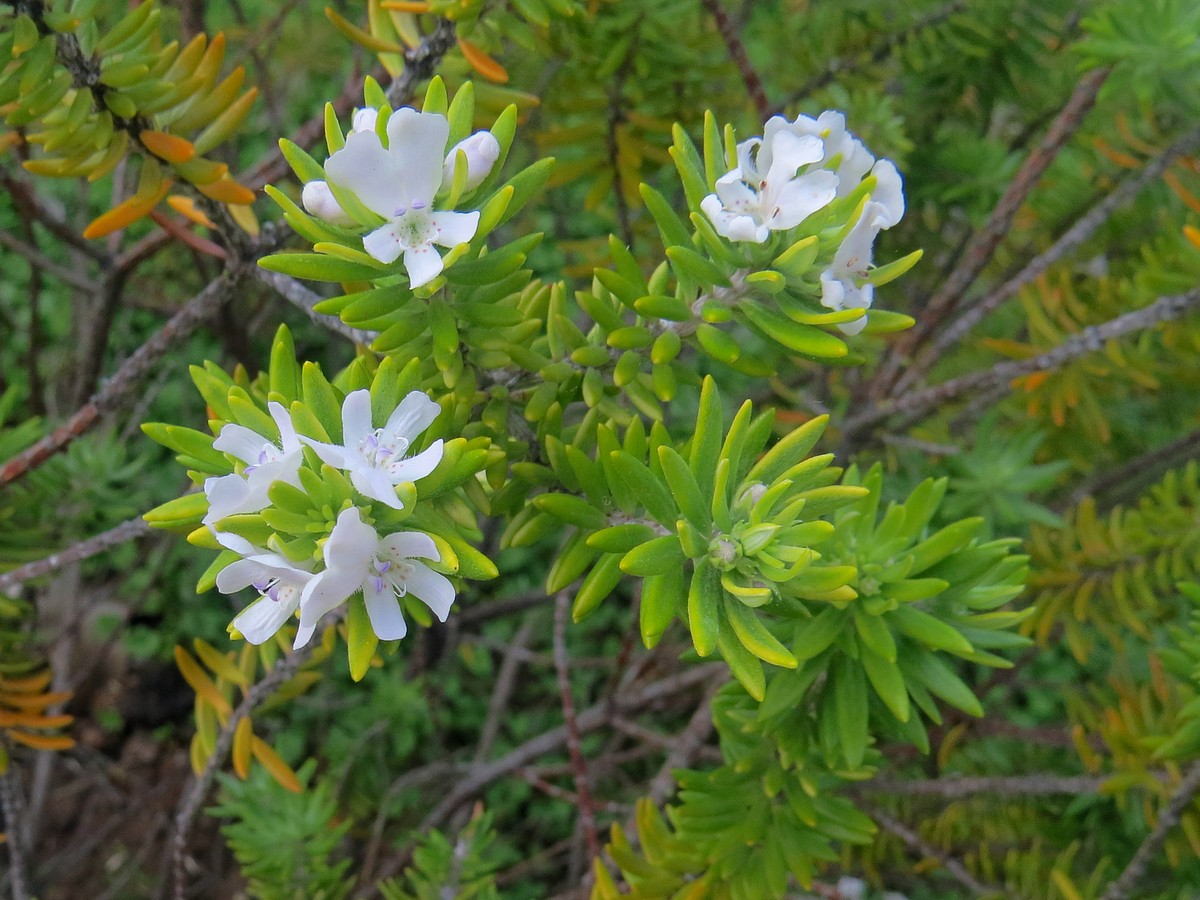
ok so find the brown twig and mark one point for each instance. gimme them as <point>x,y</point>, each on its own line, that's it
<point>737,52</point>
<point>15,842</point>
<point>126,531</point>
<point>918,404</point>
<point>126,378</point>
<point>506,682</point>
<point>1127,480</point>
<point>957,787</point>
<point>1124,885</point>
<point>589,720</point>
<point>303,299</point>
<point>839,67</point>
<point>1084,228</point>
<point>918,844</point>
<point>587,806</point>
<point>983,244</point>
<point>189,805</point>
<point>421,62</point>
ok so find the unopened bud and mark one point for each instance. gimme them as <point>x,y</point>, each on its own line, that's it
<point>364,119</point>
<point>319,200</point>
<point>482,150</point>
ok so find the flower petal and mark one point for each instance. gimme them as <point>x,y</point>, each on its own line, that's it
<point>408,544</point>
<point>304,634</point>
<point>235,542</point>
<point>385,243</point>
<point>454,228</point>
<point>240,441</point>
<point>417,141</point>
<point>833,292</point>
<point>481,149</point>
<point>374,483</point>
<point>423,264</point>
<point>735,194</point>
<point>383,609</point>
<point>225,495</point>
<point>351,545</point>
<point>432,589</point>
<point>370,172</point>
<point>335,454</point>
<point>319,201</point>
<point>789,152</point>
<point>364,119</point>
<point>356,419</point>
<point>287,431</point>
<point>888,193</point>
<point>416,467</point>
<point>327,591</point>
<point>800,198</point>
<point>259,621</point>
<point>415,413</point>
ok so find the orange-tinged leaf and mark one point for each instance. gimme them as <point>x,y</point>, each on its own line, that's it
<point>124,214</point>
<point>8,140</point>
<point>360,36</point>
<point>245,219</point>
<point>28,685</point>
<point>187,208</point>
<point>227,191</point>
<point>33,701</point>
<point>1032,381</point>
<point>1192,233</point>
<point>482,63</point>
<point>197,754</point>
<point>1132,139</point>
<point>169,147</point>
<point>273,763</point>
<point>219,662</point>
<point>1190,200</point>
<point>43,741</point>
<point>243,737</point>
<point>194,675</point>
<point>33,720</point>
<point>1121,159</point>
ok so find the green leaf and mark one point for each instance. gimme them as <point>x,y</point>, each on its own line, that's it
<point>755,637</point>
<point>684,488</point>
<point>661,596</point>
<point>597,586</point>
<point>655,557</point>
<point>361,640</point>
<point>850,703</point>
<point>743,664</point>
<point>318,267</point>
<point>705,596</point>
<point>642,485</point>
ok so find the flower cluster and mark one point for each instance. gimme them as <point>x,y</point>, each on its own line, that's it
<point>795,170</point>
<point>355,556</point>
<point>400,182</point>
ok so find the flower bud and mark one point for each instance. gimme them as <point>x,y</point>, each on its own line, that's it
<point>482,150</point>
<point>319,200</point>
<point>364,119</point>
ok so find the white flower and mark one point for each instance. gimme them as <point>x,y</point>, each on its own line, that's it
<point>765,192</point>
<point>374,457</point>
<point>888,193</point>
<point>482,150</point>
<point>399,183</point>
<point>266,462</point>
<point>358,559</point>
<point>320,202</point>
<point>281,585</point>
<point>844,153</point>
<point>844,284</point>
<point>364,119</point>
